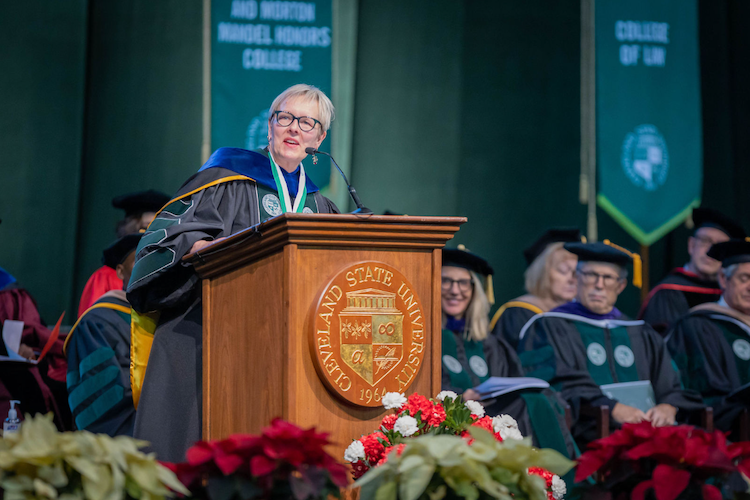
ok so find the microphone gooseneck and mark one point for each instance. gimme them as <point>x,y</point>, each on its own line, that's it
<point>361,209</point>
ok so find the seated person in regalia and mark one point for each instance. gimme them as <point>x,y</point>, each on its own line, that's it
<point>98,351</point>
<point>589,343</point>
<point>711,345</point>
<point>549,281</point>
<point>697,281</point>
<point>470,356</point>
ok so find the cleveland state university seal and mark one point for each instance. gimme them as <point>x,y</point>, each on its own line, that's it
<point>369,336</point>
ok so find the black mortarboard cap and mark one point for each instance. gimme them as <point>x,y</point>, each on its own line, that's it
<point>598,252</point>
<point>731,252</point>
<point>460,257</point>
<point>142,201</point>
<point>552,235</point>
<point>708,217</point>
<point>607,251</point>
<point>120,249</point>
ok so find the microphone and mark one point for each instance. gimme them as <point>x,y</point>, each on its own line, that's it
<point>361,209</point>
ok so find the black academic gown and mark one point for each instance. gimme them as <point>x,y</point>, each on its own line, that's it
<point>674,296</point>
<point>216,202</point>
<point>553,348</point>
<point>510,318</point>
<point>502,361</point>
<point>98,351</point>
<point>712,351</point>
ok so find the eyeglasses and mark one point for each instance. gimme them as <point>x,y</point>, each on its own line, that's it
<point>306,123</point>
<point>705,241</point>
<point>591,278</point>
<point>463,285</point>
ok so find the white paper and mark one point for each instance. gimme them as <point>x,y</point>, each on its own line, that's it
<point>12,333</point>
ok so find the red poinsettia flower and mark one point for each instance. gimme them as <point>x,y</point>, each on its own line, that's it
<point>683,454</point>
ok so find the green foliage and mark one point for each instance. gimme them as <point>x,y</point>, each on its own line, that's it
<point>42,463</point>
<point>435,467</point>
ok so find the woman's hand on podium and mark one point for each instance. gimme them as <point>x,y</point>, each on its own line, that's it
<point>200,244</point>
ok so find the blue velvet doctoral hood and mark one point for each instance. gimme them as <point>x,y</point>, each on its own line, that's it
<point>5,278</point>
<point>578,309</point>
<point>256,165</point>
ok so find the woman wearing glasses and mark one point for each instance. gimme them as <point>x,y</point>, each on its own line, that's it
<point>470,356</point>
<point>234,190</point>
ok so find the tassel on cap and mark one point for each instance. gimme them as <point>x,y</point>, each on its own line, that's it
<point>490,290</point>
<point>637,263</point>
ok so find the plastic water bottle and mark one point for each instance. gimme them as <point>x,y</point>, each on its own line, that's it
<point>12,423</point>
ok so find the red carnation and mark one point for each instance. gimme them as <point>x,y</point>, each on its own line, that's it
<point>374,450</point>
<point>435,416</point>
<point>388,421</point>
<point>359,468</point>
<point>416,403</point>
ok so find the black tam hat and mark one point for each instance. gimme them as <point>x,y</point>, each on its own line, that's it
<point>140,202</point>
<point>120,249</point>
<point>730,252</point>
<point>708,217</point>
<point>607,252</point>
<point>460,257</point>
<point>552,235</point>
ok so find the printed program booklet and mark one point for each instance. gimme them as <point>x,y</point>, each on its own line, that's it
<point>497,386</point>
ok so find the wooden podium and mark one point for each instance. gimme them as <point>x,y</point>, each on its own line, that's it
<point>261,292</point>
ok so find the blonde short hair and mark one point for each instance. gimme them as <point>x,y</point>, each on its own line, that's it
<point>536,277</point>
<point>307,93</point>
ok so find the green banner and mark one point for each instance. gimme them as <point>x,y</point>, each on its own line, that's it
<point>648,113</point>
<point>258,49</point>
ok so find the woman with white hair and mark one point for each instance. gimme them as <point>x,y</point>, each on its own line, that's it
<point>235,189</point>
<point>549,280</point>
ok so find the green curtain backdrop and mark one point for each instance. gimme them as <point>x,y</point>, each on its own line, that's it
<point>144,109</point>
<point>459,108</point>
<point>41,113</point>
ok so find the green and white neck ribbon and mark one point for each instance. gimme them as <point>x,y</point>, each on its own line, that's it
<point>283,190</point>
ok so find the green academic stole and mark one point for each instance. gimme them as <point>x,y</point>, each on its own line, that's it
<point>737,336</point>
<point>283,192</point>
<point>458,376</point>
<point>269,204</point>
<point>609,355</point>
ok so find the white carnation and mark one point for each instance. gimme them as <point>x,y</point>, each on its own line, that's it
<point>476,408</point>
<point>355,452</point>
<point>406,425</point>
<point>507,427</point>
<point>446,394</point>
<point>393,400</point>
<point>558,487</point>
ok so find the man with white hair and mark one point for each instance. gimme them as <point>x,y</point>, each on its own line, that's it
<point>711,345</point>
<point>588,343</point>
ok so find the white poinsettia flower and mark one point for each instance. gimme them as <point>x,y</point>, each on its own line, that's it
<point>446,394</point>
<point>406,425</point>
<point>558,487</point>
<point>507,427</point>
<point>355,452</point>
<point>476,408</point>
<point>393,400</point>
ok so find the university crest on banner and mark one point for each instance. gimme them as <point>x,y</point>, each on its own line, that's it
<point>648,114</point>
<point>368,336</point>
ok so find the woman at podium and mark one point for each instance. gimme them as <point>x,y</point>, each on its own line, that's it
<point>233,190</point>
<point>471,356</point>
